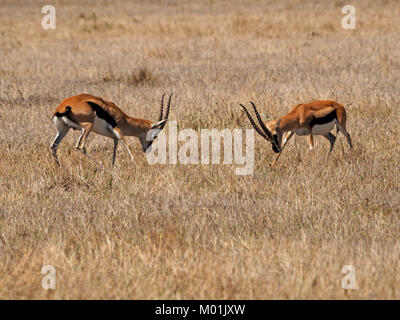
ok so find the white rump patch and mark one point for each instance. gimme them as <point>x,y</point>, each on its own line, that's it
<point>58,123</point>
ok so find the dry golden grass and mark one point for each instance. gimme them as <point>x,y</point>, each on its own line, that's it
<point>187,232</point>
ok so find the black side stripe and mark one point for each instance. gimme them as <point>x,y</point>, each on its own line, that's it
<point>323,120</point>
<point>101,113</point>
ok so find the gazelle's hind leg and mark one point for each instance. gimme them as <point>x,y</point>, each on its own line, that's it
<point>78,143</point>
<point>81,144</point>
<point>62,132</point>
<point>86,129</point>
<point>331,138</point>
<point>342,129</point>
<point>341,125</point>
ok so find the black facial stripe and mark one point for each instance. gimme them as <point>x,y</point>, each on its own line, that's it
<point>323,120</point>
<point>101,113</point>
<point>150,143</point>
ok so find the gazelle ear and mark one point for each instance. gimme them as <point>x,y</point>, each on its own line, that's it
<point>158,124</point>
<point>278,122</point>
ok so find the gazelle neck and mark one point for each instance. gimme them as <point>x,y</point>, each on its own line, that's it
<point>285,124</point>
<point>135,126</point>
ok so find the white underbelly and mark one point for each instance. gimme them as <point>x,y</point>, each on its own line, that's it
<point>102,127</point>
<point>301,131</point>
<point>320,129</point>
<point>70,123</point>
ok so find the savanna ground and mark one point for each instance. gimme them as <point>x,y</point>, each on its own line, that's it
<point>200,231</point>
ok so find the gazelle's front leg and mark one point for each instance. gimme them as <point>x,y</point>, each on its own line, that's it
<point>115,150</point>
<point>118,135</point>
<point>285,140</point>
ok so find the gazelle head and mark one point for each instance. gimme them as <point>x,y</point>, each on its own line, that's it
<point>270,131</point>
<point>153,130</point>
<point>276,131</point>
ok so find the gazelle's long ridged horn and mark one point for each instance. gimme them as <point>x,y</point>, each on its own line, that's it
<point>253,123</point>
<point>161,108</point>
<point>267,132</point>
<point>167,112</point>
<point>168,106</point>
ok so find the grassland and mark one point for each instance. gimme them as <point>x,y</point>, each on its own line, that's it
<point>200,232</point>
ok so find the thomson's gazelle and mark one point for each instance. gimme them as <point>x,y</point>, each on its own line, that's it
<point>315,118</point>
<point>92,114</point>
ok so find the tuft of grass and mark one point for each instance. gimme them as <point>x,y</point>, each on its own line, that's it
<point>142,77</point>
